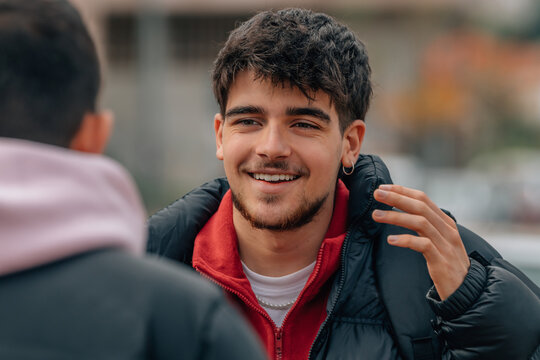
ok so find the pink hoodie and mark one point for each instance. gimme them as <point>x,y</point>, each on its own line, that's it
<point>55,203</point>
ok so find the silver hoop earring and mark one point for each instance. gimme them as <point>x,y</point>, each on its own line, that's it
<point>348,172</point>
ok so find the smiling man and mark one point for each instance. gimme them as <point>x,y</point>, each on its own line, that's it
<point>282,152</point>
<point>322,272</point>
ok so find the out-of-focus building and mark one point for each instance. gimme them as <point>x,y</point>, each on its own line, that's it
<point>158,54</point>
<point>473,89</point>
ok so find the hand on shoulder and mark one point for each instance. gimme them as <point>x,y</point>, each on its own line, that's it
<point>437,236</point>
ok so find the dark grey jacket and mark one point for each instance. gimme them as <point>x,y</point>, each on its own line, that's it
<point>381,289</point>
<point>110,305</point>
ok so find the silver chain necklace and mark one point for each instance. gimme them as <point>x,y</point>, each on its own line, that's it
<point>268,305</point>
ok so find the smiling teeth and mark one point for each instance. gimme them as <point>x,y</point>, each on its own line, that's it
<point>268,177</point>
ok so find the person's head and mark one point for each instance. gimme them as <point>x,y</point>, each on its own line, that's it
<point>298,47</point>
<point>293,88</point>
<point>49,76</point>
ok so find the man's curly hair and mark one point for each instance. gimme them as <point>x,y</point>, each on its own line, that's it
<point>300,48</point>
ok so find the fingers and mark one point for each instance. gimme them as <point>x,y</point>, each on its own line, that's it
<point>417,203</point>
<point>417,223</point>
<point>410,200</point>
<point>417,243</point>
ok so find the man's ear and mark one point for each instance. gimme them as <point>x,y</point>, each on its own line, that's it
<point>218,128</point>
<point>93,133</point>
<point>353,138</point>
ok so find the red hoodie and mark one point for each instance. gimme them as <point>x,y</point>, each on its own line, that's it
<point>216,256</point>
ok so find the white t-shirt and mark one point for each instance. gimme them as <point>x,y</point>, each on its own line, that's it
<point>278,290</point>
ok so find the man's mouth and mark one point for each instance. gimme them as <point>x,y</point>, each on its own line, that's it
<point>273,177</point>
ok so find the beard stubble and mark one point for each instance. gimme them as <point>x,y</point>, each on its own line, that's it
<point>298,218</point>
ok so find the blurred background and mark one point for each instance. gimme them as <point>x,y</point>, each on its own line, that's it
<point>456,110</point>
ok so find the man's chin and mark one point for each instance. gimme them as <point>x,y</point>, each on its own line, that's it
<point>273,219</point>
<point>265,217</point>
<point>269,223</point>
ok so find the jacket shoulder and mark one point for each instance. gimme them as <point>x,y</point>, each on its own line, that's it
<point>186,316</point>
<point>190,317</point>
<point>172,230</point>
<point>138,306</point>
<point>475,244</point>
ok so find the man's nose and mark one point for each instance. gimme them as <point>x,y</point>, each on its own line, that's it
<point>273,143</point>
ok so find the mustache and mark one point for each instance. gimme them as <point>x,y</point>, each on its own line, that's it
<point>261,166</point>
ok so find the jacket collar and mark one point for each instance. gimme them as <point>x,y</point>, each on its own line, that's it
<point>216,249</point>
<point>370,172</point>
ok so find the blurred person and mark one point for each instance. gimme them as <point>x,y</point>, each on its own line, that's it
<point>319,259</point>
<point>73,283</point>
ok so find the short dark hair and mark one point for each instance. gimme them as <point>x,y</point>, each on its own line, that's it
<point>298,47</point>
<point>49,71</point>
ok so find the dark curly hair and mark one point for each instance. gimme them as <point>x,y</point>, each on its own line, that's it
<point>298,47</point>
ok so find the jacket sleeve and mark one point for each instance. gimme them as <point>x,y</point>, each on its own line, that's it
<point>172,230</point>
<point>492,315</point>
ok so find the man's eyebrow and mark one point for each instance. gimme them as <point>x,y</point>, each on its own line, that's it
<point>242,110</point>
<point>309,111</point>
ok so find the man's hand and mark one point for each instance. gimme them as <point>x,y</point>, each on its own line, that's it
<point>438,237</point>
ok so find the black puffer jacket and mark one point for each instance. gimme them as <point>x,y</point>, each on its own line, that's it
<point>109,305</point>
<point>495,314</point>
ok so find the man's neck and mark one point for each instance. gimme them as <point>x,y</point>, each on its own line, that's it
<point>278,253</point>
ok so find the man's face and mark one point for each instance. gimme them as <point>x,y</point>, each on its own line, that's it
<point>281,152</point>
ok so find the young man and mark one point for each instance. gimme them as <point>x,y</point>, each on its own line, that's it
<point>321,272</point>
<point>72,228</point>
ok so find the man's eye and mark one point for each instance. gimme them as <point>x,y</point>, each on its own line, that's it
<point>246,122</point>
<point>305,125</point>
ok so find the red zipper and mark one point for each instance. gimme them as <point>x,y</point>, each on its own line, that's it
<point>279,343</point>
<point>278,332</point>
